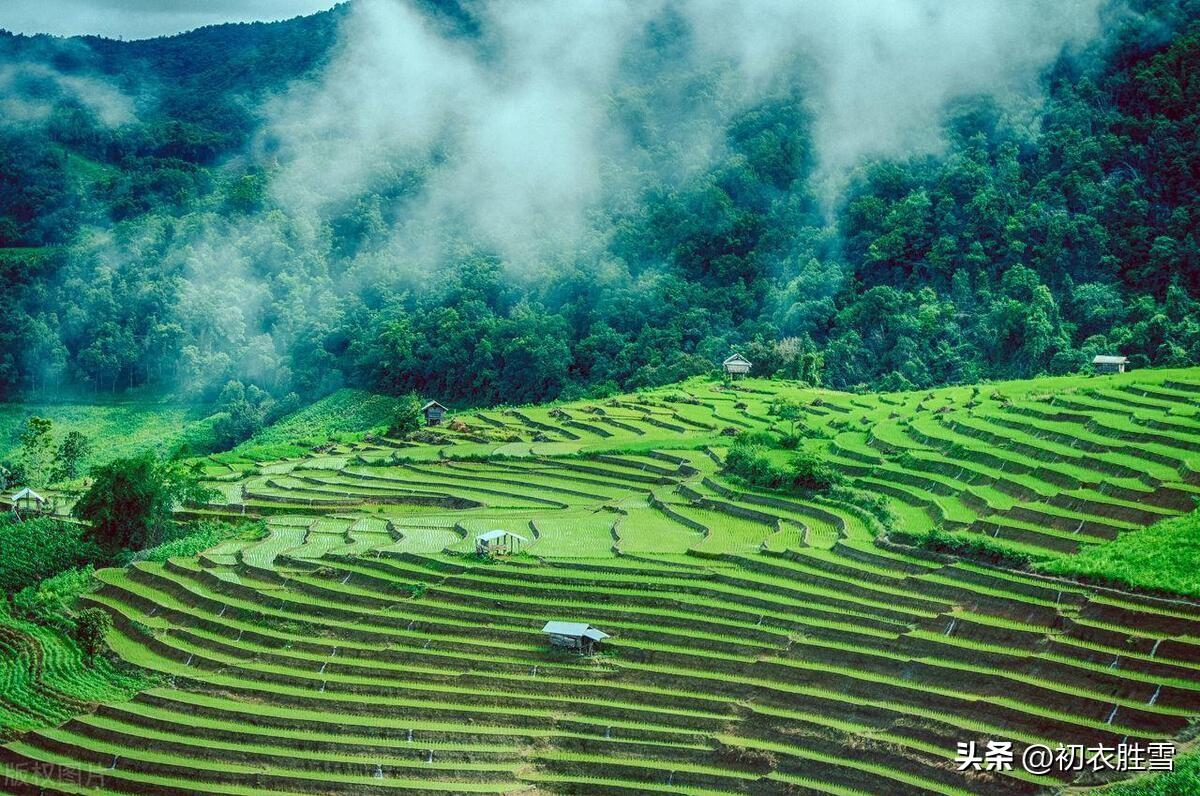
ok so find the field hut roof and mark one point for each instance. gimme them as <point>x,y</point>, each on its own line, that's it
<point>734,359</point>
<point>498,534</point>
<point>578,629</point>
<point>27,494</point>
<point>430,405</point>
<point>1108,359</point>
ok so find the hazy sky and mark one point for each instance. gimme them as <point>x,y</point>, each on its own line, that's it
<point>140,19</point>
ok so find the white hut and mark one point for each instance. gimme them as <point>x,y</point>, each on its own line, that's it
<point>433,412</point>
<point>736,365</point>
<point>1104,363</point>
<point>28,500</point>
<point>578,636</point>
<point>499,542</point>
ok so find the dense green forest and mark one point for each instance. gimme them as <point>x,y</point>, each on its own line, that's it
<point>1025,246</point>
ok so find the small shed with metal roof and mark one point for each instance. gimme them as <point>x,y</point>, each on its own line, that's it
<point>1105,363</point>
<point>433,412</point>
<point>577,636</point>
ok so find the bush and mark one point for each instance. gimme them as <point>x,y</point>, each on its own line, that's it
<point>975,548</point>
<point>805,471</point>
<point>49,602</point>
<point>407,419</point>
<point>873,503</point>
<point>91,627</point>
<point>130,501</point>
<point>74,449</point>
<point>809,471</point>
<point>38,548</point>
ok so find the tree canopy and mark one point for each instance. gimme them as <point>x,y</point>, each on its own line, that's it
<point>129,503</point>
<point>1026,246</point>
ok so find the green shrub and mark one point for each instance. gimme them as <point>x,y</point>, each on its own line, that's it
<point>130,501</point>
<point>805,471</point>
<point>976,548</point>
<point>1161,558</point>
<point>809,471</point>
<point>91,627</point>
<point>406,420</point>
<point>74,448</point>
<point>49,602</point>
<point>38,548</point>
<point>873,503</point>
<point>1183,781</point>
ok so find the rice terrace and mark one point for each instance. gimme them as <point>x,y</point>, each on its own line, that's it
<point>760,641</point>
<point>600,397</point>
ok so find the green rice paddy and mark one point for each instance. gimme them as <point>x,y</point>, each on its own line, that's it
<point>761,642</point>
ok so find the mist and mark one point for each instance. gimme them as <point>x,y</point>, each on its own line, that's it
<point>29,92</point>
<point>527,136</point>
<point>514,133</point>
<point>509,140</point>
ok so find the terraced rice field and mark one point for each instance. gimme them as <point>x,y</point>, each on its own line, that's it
<point>761,643</point>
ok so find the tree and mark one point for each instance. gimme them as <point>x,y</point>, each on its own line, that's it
<point>243,413</point>
<point>791,412</point>
<point>810,472</point>
<point>37,450</point>
<point>91,626</point>
<point>407,418</point>
<point>811,364</point>
<point>130,501</point>
<point>71,452</point>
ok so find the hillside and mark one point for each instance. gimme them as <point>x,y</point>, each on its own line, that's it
<point>762,641</point>
<point>255,202</point>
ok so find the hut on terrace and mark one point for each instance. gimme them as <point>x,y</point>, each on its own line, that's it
<point>1104,363</point>
<point>433,412</point>
<point>498,543</point>
<point>29,501</point>
<point>736,365</point>
<point>577,636</point>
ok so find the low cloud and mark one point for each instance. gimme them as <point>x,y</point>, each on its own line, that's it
<point>511,136</point>
<point>30,91</point>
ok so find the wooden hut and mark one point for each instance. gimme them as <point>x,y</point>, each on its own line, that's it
<point>498,543</point>
<point>433,412</point>
<point>576,636</point>
<point>29,501</point>
<point>1104,363</point>
<point>736,365</point>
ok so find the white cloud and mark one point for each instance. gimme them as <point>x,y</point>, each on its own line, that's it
<point>514,132</point>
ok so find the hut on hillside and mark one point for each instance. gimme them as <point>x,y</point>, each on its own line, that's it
<point>499,543</point>
<point>29,501</point>
<point>1104,363</point>
<point>577,636</point>
<point>736,365</point>
<point>433,412</point>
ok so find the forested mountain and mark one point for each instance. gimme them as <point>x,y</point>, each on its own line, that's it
<point>183,212</point>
